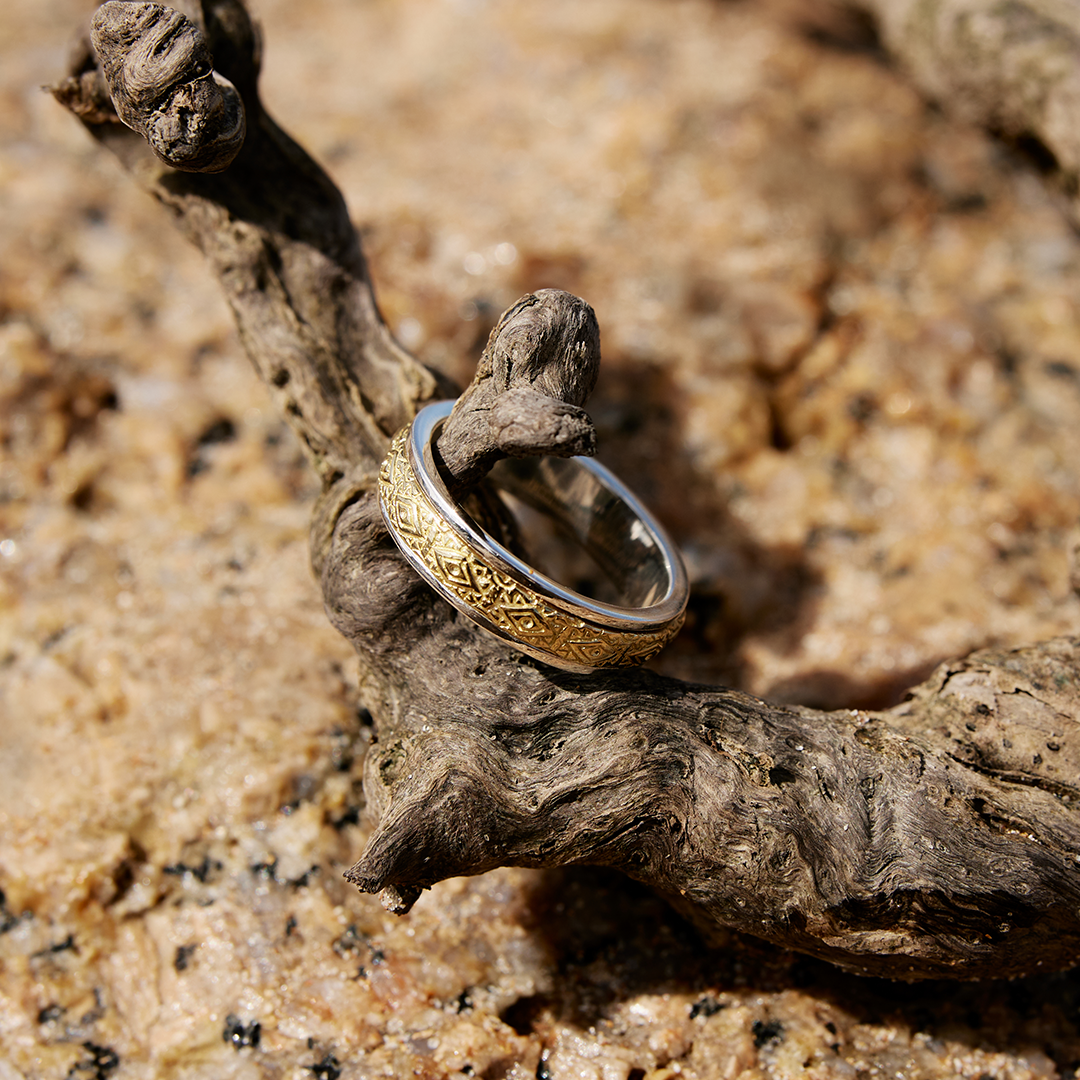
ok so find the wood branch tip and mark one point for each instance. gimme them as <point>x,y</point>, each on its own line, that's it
<point>162,81</point>
<point>398,899</point>
<point>548,340</point>
<point>365,882</point>
<point>539,366</point>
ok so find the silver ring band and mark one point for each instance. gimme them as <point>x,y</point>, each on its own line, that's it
<point>505,595</point>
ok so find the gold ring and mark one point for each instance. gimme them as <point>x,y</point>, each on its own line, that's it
<point>513,600</point>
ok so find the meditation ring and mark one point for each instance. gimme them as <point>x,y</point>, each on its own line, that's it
<point>503,594</point>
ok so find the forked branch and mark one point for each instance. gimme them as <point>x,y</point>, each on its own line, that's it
<point>939,838</point>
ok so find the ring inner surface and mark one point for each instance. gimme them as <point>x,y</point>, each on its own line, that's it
<point>592,516</point>
<point>593,507</point>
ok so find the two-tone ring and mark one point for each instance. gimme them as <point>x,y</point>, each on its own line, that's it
<point>504,594</point>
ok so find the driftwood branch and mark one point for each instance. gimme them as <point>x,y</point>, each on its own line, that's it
<point>939,838</point>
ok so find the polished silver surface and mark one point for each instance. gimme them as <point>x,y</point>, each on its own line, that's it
<point>594,507</point>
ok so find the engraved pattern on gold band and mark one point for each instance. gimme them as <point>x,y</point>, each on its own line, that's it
<point>491,597</point>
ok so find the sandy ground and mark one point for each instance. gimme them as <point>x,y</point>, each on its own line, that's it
<point>842,362</point>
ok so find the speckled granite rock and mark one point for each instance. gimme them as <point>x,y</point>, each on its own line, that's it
<point>842,361</point>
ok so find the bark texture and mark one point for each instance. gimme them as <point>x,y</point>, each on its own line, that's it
<point>940,838</point>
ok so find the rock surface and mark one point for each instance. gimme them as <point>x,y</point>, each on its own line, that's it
<point>841,361</point>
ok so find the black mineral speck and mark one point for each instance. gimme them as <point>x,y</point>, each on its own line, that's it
<point>350,817</point>
<point>240,1034</point>
<point>304,879</point>
<point>265,870</point>
<point>764,1033</point>
<point>220,431</point>
<point>327,1069</point>
<point>67,945</point>
<point>707,1006</point>
<point>350,941</point>
<point>183,956</point>
<point>7,920</point>
<point>201,873</point>
<point>341,750</point>
<point>101,1062</point>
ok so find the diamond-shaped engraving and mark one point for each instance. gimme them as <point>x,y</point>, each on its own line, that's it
<point>408,518</point>
<point>455,568</point>
<point>527,622</point>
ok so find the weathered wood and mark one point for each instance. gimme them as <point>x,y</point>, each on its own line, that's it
<point>162,82</point>
<point>940,838</point>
